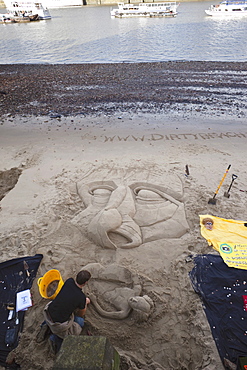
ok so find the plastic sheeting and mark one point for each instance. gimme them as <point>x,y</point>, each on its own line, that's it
<point>16,275</point>
<point>221,289</point>
<point>229,238</point>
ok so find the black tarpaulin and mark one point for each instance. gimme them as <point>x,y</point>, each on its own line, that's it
<point>16,275</point>
<point>222,290</point>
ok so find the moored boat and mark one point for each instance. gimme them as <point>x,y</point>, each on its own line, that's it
<point>27,9</point>
<point>6,18</point>
<point>234,8</point>
<point>166,9</point>
<point>54,3</point>
<point>10,18</point>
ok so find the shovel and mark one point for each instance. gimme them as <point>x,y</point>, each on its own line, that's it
<point>213,200</point>
<point>226,193</point>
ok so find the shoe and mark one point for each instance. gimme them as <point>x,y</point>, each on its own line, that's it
<point>43,333</point>
<point>53,346</point>
<point>55,343</point>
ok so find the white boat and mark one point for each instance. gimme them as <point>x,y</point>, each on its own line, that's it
<point>168,9</point>
<point>11,18</point>
<point>228,8</point>
<point>6,18</point>
<point>48,4</point>
<point>18,9</point>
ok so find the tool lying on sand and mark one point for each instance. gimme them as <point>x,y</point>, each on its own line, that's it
<point>213,200</point>
<point>226,193</point>
<point>187,172</point>
<point>26,267</point>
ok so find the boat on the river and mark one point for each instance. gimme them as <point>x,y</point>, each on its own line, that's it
<point>236,8</point>
<point>11,18</point>
<point>166,9</point>
<point>6,18</point>
<point>21,11</point>
<point>54,3</point>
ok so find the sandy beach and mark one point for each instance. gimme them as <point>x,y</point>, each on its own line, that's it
<point>67,132</point>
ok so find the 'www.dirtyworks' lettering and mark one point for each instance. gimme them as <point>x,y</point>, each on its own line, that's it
<point>158,137</point>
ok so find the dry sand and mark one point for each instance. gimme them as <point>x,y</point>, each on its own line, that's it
<point>150,146</point>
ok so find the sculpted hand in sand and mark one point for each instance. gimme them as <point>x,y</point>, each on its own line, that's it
<point>127,216</point>
<point>118,292</point>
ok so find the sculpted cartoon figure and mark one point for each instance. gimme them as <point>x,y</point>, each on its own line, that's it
<point>118,292</point>
<point>127,216</point>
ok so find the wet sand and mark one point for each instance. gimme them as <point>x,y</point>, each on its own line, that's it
<point>64,125</point>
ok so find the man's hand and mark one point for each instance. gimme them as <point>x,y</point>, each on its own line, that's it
<point>92,297</point>
<point>81,312</point>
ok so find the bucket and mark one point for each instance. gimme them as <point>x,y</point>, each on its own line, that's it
<point>50,284</point>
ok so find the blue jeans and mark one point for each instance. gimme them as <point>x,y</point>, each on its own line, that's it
<point>57,342</point>
<point>79,321</point>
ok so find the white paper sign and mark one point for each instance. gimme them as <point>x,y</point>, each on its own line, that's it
<point>23,300</point>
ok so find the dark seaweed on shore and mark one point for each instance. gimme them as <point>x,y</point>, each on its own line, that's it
<point>85,89</point>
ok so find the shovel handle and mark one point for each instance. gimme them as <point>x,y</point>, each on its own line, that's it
<point>223,178</point>
<point>234,177</point>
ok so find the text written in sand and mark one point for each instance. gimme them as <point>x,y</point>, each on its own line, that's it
<point>166,137</point>
<point>190,136</point>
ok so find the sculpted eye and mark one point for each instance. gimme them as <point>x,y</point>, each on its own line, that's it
<point>153,194</point>
<point>101,194</point>
<point>101,189</point>
<point>154,205</point>
<point>98,192</point>
<point>148,195</point>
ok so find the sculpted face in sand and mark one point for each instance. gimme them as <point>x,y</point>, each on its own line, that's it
<point>208,223</point>
<point>128,216</point>
<point>115,291</point>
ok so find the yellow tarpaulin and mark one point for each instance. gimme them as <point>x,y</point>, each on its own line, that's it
<point>228,237</point>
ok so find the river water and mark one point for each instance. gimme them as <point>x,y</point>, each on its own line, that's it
<point>89,35</point>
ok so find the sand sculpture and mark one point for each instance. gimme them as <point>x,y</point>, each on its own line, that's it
<point>121,216</point>
<point>115,291</point>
